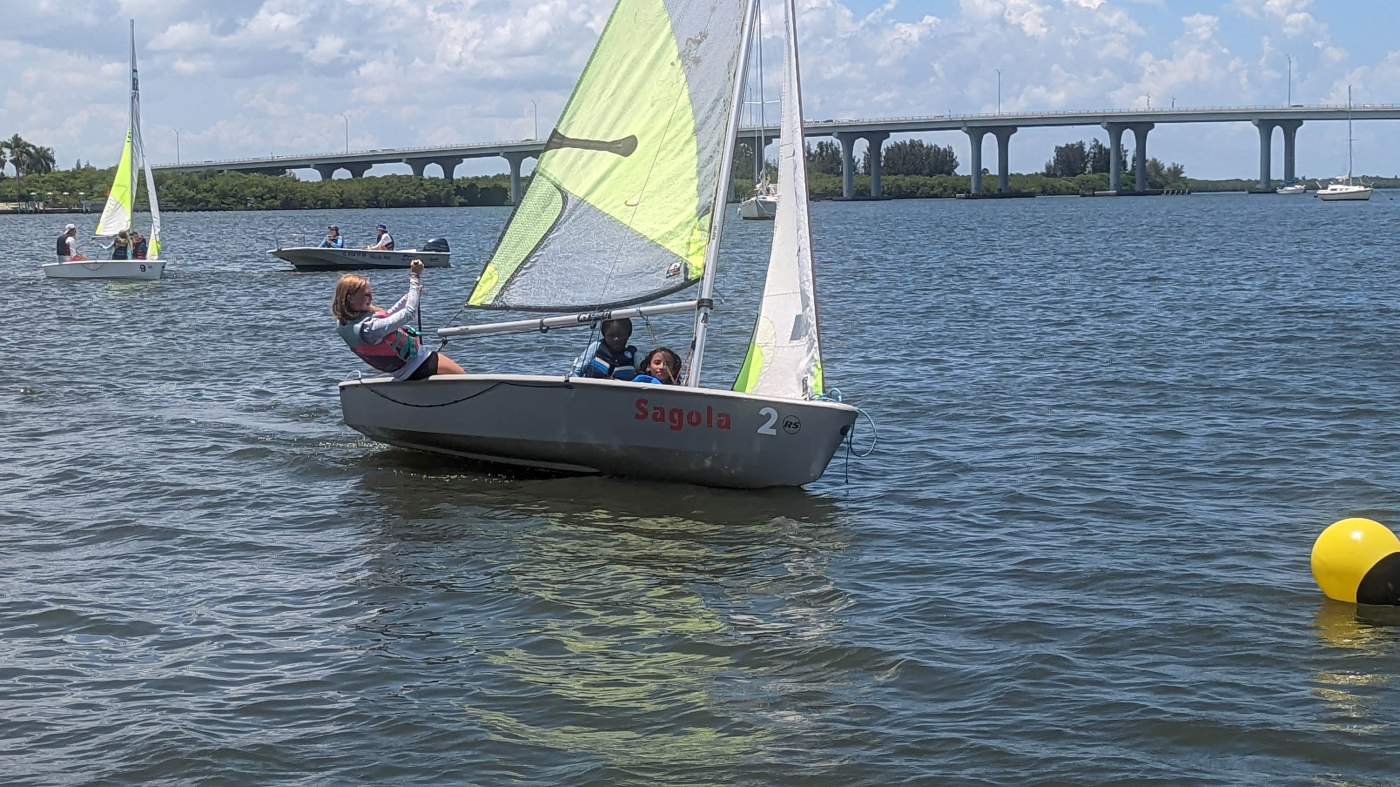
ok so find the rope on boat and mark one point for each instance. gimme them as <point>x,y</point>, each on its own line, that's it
<point>359,377</point>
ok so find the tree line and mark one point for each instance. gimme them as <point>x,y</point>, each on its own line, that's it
<point>1073,159</point>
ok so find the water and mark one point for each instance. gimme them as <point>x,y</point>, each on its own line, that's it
<point>1109,432</point>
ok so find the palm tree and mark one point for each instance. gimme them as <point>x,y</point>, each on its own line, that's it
<point>41,160</point>
<point>19,154</point>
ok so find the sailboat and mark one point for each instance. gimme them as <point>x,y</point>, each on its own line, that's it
<point>627,206</point>
<point>762,204</point>
<point>121,200</point>
<point>1342,188</point>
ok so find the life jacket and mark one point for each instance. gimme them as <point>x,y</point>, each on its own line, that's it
<point>388,241</point>
<point>388,354</point>
<point>62,245</point>
<point>618,366</point>
<point>138,250</point>
<point>121,250</point>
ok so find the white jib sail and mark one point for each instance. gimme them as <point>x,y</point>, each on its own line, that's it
<point>784,357</point>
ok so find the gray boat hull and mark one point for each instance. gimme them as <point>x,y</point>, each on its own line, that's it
<point>669,433</point>
<point>311,258</point>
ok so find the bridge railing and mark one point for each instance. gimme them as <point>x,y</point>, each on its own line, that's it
<point>340,156</point>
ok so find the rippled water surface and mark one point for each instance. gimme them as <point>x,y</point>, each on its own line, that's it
<point>1109,431</point>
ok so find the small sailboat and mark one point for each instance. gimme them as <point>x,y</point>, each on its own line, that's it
<point>1343,189</point>
<point>627,206</point>
<point>762,204</point>
<point>121,200</point>
<point>1292,188</point>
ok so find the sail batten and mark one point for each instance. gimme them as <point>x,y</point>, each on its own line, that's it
<point>784,356</point>
<point>619,208</point>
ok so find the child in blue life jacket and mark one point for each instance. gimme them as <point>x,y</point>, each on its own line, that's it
<point>662,365</point>
<point>609,356</point>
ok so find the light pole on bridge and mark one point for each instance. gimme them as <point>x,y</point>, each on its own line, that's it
<point>177,147</point>
<point>535,111</point>
<point>998,70</point>
<point>346,118</point>
<point>1290,80</point>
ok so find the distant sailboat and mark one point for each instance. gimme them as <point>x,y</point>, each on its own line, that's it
<point>627,205</point>
<point>1342,189</point>
<point>762,204</point>
<point>121,201</point>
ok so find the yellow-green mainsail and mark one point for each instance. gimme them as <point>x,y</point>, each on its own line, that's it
<point>116,215</point>
<point>634,86</point>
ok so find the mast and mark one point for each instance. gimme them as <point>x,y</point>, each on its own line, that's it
<point>758,145</point>
<point>719,208</point>
<point>131,123</point>
<point>1348,135</point>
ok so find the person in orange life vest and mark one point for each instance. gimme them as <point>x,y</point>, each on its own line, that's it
<point>661,365</point>
<point>138,245</point>
<point>381,336</point>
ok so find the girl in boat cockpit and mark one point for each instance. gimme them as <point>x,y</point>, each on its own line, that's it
<point>381,336</point>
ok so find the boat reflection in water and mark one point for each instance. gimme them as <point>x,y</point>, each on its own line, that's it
<point>630,627</point>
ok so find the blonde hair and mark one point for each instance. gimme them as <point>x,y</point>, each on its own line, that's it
<point>348,285</point>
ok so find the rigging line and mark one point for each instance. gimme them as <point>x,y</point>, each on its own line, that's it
<point>509,384</point>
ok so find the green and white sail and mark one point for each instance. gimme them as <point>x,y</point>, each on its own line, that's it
<point>116,216</point>
<point>121,200</point>
<point>784,357</point>
<point>619,209</point>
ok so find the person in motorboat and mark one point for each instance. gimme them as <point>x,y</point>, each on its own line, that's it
<point>333,239</point>
<point>662,365</point>
<point>385,241</point>
<point>67,245</point>
<point>609,356</point>
<point>138,245</point>
<point>381,337</point>
<point>121,246</point>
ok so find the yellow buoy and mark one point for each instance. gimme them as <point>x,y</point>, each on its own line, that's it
<point>1358,560</point>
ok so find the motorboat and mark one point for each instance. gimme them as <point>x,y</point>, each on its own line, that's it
<point>1292,188</point>
<point>434,254</point>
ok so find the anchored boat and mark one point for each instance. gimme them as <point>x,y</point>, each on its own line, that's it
<point>116,216</point>
<point>626,207</point>
<point>434,254</point>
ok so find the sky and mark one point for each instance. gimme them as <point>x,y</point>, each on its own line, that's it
<point>243,78</point>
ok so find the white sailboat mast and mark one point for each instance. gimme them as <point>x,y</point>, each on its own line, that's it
<point>131,118</point>
<point>719,209</point>
<point>1348,135</point>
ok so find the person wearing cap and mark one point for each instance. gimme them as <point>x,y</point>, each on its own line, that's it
<point>385,241</point>
<point>67,245</point>
<point>333,239</point>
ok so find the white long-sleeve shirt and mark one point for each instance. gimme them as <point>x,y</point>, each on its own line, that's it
<point>374,329</point>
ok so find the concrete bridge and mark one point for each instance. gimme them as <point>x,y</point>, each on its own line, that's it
<point>875,132</point>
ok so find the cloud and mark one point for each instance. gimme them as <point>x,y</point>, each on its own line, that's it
<point>1291,15</point>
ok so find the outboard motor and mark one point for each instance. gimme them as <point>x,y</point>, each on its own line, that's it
<point>436,244</point>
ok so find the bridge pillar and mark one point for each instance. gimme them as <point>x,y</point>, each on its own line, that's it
<point>1003,135</point>
<point>1290,134</point>
<point>873,142</point>
<point>449,166</point>
<point>974,138</point>
<point>1115,156</point>
<point>326,171</point>
<point>1266,139</point>
<point>848,163</point>
<point>358,169</point>
<point>1140,166</point>
<point>417,165</point>
<point>515,160</point>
